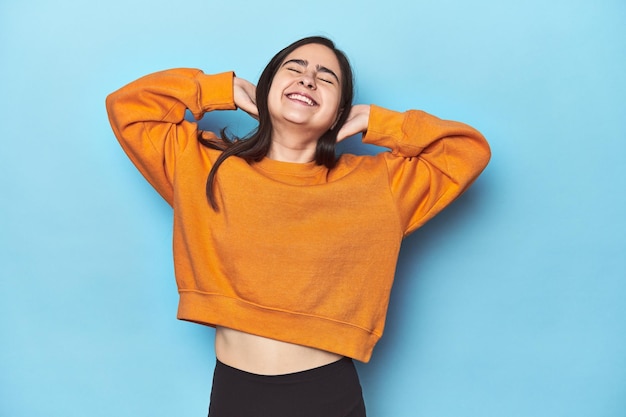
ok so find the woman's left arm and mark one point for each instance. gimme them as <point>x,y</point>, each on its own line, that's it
<point>431,161</point>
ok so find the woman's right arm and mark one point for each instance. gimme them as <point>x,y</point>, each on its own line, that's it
<point>148,118</point>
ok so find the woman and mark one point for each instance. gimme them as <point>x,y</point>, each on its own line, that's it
<point>287,250</point>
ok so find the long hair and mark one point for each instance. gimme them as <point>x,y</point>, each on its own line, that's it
<point>255,146</point>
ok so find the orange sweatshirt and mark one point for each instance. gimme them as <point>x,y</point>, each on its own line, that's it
<point>296,252</point>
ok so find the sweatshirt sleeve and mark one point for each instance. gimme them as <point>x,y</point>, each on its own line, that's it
<point>431,161</point>
<point>148,118</point>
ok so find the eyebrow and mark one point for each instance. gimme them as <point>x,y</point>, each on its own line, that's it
<point>319,68</point>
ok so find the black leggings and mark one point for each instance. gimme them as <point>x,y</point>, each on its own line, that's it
<point>329,391</point>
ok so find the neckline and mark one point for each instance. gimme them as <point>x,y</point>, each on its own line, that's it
<point>291,168</point>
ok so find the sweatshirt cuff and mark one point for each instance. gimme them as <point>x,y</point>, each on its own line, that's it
<point>384,127</point>
<point>216,91</point>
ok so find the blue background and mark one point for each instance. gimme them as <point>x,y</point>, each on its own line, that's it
<point>510,303</point>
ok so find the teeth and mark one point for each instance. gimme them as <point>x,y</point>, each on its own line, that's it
<point>301,98</point>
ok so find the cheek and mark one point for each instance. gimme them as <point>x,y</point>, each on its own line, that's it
<point>273,99</point>
<point>335,101</point>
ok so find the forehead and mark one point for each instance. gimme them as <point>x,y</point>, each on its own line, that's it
<point>316,55</point>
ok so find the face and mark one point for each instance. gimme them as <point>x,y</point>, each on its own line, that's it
<point>306,90</point>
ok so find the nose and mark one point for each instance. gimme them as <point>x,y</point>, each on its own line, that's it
<point>308,81</point>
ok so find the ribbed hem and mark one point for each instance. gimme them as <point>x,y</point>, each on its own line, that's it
<point>302,329</point>
<point>216,92</point>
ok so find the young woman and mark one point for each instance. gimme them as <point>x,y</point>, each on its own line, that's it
<point>286,249</point>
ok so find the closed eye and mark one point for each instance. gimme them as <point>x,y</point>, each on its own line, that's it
<point>295,65</point>
<point>299,65</point>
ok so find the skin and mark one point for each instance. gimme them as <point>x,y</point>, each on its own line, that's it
<point>304,103</point>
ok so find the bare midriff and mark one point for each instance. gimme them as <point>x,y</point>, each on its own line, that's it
<point>263,356</point>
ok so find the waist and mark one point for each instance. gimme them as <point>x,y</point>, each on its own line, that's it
<point>264,356</point>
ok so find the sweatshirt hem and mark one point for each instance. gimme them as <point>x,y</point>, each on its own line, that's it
<point>292,327</point>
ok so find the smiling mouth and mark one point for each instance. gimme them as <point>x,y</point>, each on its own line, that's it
<point>301,98</point>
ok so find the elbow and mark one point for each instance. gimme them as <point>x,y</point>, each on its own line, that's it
<point>482,151</point>
<point>110,103</point>
<point>116,112</point>
<point>485,154</point>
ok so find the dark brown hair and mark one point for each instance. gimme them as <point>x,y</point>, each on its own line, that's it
<point>255,146</point>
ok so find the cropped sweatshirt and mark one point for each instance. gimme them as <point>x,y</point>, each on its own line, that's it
<point>296,252</point>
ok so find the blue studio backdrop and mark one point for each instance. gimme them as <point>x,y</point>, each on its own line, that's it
<point>510,303</point>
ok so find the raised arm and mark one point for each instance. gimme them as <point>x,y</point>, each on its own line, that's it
<point>148,118</point>
<point>431,161</point>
